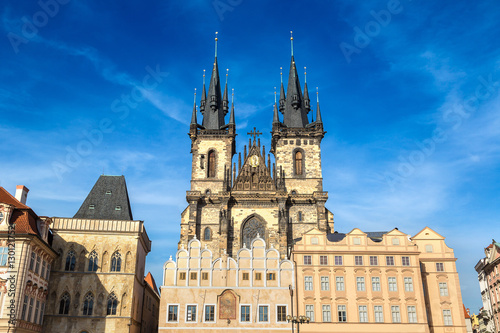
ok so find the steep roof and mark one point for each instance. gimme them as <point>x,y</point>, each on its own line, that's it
<point>23,217</point>
<point>150,280</point>
<point>8,198</point>
<point>108,200</point>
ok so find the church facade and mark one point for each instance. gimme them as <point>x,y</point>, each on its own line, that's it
<point>258,248</point>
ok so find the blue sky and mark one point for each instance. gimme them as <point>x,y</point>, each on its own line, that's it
<point>409,95</point>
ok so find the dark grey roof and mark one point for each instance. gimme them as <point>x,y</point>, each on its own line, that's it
<point>375,236</point>
<point>212,107</point>
<point>295,113</point>
<point>108,200</point>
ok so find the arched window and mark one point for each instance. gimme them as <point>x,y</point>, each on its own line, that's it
<point>70,261</point>
<point>211,164</point>
<point>116,262</point>
<point>64,304</point>
<point>207,234</point>
<point>93,260</point>
<point>112,304</point>
<point>299,160</point>
<point>251,229</point>
<point>300,216</point>
<point>88,304</point>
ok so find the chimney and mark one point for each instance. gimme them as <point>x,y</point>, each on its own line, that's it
<point>21,193</point>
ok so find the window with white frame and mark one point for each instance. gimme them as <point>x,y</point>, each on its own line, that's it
<point>307,260</point>
<point>263,313</point>
<point>173,311</point>
<point>4,253</point>
<point>281,313</point>
<point>396,316</point>
<point>412,314</point>
<point>308,283</point>
<point>342,313</point>
<point>327,313</point>
<point>363,314</point>
<point>323,260</point>
<point>310,311</point>
<point>376,283</point>
<point>393,286</point>
<point>358,260</point>
<point>209,313</point>
<point>447,318</point>
<point>379,314</point>
<point>389,260</point>
<point>338,260</point>
<point>245,313</point>
<point>191,313</point>
<point>373,261</point>
<point>408,284</point>
<point>360,283</point>
<point>339,281</point>
<point>443,289</point>
<point>32,261</point>
<point>439,267</point>
<point>325,283</point>
<point>405,261</point>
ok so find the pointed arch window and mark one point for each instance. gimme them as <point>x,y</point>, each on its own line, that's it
<point>116,262</point>
<point>93,260</point>
<point>88,304</point>
<point>299,162</point>
<point>64,304</point>
<point>211,164</point>
<point>70,261</point>
<point>207,234</point>
<point>112,304</point>
<point>251,229</point>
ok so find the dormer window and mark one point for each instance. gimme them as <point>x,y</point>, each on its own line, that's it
<point>118,208</point>
<point>91,206</point>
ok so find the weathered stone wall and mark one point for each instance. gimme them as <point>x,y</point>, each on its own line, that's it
<point>312,159</point>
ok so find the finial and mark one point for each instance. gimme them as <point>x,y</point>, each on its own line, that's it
<point>194,95</point>
<point>194,236</point>
<point>317,95</point>
<point>281,74</point>
<point>305,75</point>
<point>205,246</point>
<point>232,96</point>
<point>258,235</point>
<point>170,258</point>
<point>291,41</point>
<point>274,95</point>
<point>216,43</point>
<point>244,246</point>
<point>203,77</point>
<point>227,74</point>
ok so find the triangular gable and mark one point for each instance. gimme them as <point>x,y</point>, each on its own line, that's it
<point>356,232</point>
<point>254,175</point>
<point>427,233</point>
<point>396,232</point>
<point>313,232</point>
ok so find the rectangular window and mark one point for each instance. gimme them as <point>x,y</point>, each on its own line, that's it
<point>48,271</point>
<point>4,254</point>
<point>30,309</point>
<point>40,319</point>
<point>191,313</point>
<point>37,308</point>
<point>325,283</point>
<point>258,276</point>
<point>310,312</point>
<point>323,260</point>
<point>263,313</point>
<point>393,286</point>
<point>342,313</point>
<point>209,312</point>
<point>379,314</point>
<point>307,260</point>
<point>443,289</point>
<point>246,276</point>
<point>204,276</point>
<point>360,283</point>
<point>447,318</point>
<point>44,267</point>
<point>339,281</point>
<point>439,267</point>
<point>182,276</point>
<point>376,283</point>
<point>25,306</point>
<point>281,313</point>
<point>363,314</point>
<point>327,313</point>
<point>338,260</point>
<point>373,261</point>
<point>37,267</point>
<point>389,260</point>
<point>405,261</point>
<point>271,276</point>
<point>358,260</point>
<point>245,313</point>
<point>194,276</point>
<point>32,261</point>
<point>396,317</point>
<point>412,314</point>
<point>308,282</point>
<point>408,284</point>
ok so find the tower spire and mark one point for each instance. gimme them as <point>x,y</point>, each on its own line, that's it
<point>276,118</point>
<point>231,115</point>
<point>213,118</point>
<point>307,101</point>
<point>203,96</point>
<point>282,93</point>
<point>318,113</point>
<point>193,116</point>
<point>225,102</point>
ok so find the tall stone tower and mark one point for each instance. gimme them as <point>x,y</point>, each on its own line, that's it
<point>232,203</point>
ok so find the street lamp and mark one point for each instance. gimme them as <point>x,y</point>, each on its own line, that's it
<point>298,320</point>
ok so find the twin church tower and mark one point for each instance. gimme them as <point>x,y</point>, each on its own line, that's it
<point>234,199</point>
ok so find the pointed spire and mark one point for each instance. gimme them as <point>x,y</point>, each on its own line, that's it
<point>225,103</point>
<point>231,116</point>
<point>307,102</point>
<point>276,118</point>
<point>193,116</point>
<point>318,113</point>
<point>203,95</point>
<point>282,93</point>
<point>213,117</point>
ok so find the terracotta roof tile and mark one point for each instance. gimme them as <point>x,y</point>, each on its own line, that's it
<point>151,282</point>
<point>467,316</point>
<point>7,198</point>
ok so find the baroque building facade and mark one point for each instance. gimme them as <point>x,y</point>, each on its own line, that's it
<point>258,247</point>
<point>489,282</point>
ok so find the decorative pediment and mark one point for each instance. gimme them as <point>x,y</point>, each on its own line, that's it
<point>254,175</point>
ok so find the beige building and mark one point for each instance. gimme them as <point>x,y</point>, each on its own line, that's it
<point>25,260</point>
<point>377,282</point>
<point>97,283</point>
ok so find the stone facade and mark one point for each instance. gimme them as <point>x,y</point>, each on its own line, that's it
<point>489,282</point>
